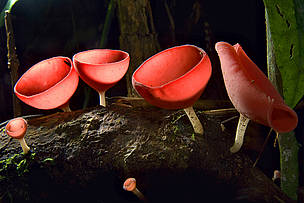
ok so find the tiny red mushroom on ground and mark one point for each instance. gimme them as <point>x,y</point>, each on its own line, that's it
<point>252,94</point>
<point>130,185</point>
<point>101,68</point>
<point>16,128</point>
<point>174,79</point>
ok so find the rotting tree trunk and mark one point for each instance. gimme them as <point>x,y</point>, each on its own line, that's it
<point>85,156</point>
<point>137,34</point>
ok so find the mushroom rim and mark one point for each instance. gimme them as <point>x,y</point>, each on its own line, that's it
<point>178,78</point>
<point>22,130</point>
<point>52,87</point>
<point>129,184</point>
<point>126,57</point>
<point>282,108</point>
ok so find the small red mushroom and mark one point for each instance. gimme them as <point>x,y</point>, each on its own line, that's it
<point>252,94</point>
<point>101,68</point>
<point>48,84</point>
<point>130,185</point>
<point>174,79</point>
<point>16,128</point>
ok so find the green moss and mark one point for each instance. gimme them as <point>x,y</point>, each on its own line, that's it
<point>193,136</point>
<point>49,160</point>
<point>176,119</point>
<point>16,173</point>
<point>17,164</point>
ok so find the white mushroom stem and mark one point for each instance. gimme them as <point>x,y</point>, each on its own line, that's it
<point>240,132</point>
<point>196,124</point>
<point>139,194</point>
<point>24,146</point>
<point>102,98</point>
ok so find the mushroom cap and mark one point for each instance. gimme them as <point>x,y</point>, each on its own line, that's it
<point>48,84</point>
<point>129,184</point>
<point>16,128</point>
<point>250,91</point>
<point>174,78</point>
<point>101,68</point>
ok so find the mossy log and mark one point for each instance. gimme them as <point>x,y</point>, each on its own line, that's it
<point>85,156</point>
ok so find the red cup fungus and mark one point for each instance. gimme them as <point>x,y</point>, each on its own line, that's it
<point>101,68</point>
<point>130,185</point>
<point>252,94</point>
<point>174,79</point>
<point>48,84</point>
<point>16,128</point>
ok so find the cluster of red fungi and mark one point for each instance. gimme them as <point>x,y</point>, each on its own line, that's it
<point>172,79</point>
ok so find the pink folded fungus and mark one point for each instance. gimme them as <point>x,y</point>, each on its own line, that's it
<point>175,79</point>
<point>252,94</point>
<point>16,128</point>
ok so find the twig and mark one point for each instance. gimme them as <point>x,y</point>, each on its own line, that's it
<point>12,60</point>
<point>263,148</point>
<point>200,104</point>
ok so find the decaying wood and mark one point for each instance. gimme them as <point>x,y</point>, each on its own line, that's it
<point>13,62</point>
<point>137,34</point>
<point>85,156</point>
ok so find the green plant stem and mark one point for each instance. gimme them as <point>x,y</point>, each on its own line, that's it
<point>288,144</point>
<point>289,148</point>
<point>107,24</point>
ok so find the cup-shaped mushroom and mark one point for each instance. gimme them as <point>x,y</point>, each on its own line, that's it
<point>174,78</point>
<point>101,68</point>
<point>250,91</point>
<point>16,128</point>
<point>130,185</point>
<point>48,84</point>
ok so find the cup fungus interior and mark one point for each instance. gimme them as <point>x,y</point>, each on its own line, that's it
<point>100,56</point>
<point>282,118</point>
<point>43,76</point>
<point>168,66</point>
<point>16,128</point>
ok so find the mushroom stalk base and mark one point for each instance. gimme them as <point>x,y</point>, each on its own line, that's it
<point>139,194</point>
<point>24,146</point>
<point>240,132</point>
<point>102,98</point>
<point>197,126</point>
<point>66,108</point>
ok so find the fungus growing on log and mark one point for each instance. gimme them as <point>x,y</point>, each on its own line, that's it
<point>174,79</point>
<point>16,128</point>
<point>130,185</point>
<point>48,84</point>
<point>252,94</point>
<point>101,68</point>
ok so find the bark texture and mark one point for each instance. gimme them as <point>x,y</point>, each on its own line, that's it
<point>137,34</point>
<point>85,156</point>
<point>13,62</point>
